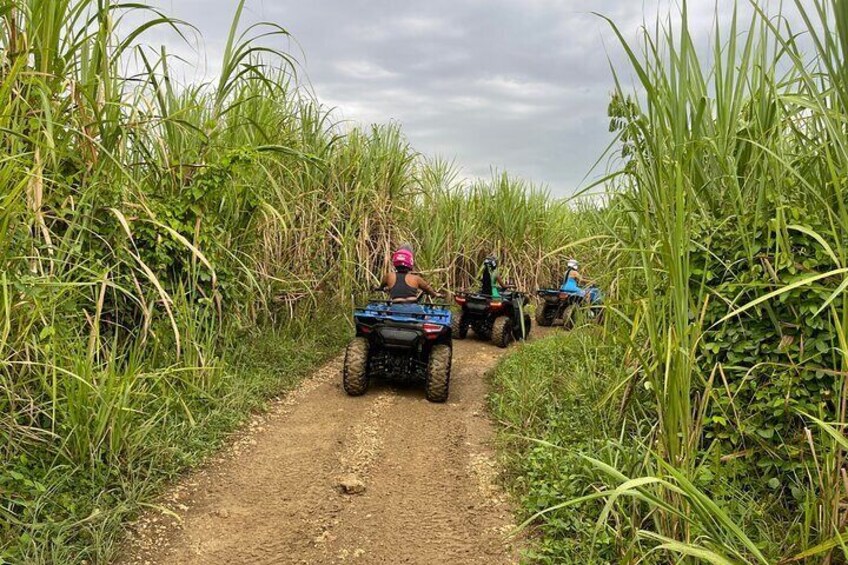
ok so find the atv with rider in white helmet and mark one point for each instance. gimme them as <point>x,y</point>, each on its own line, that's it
<point>558,305</point>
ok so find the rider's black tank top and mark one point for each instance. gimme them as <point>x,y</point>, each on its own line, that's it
<point>486,282</point>
<point>401,288</point>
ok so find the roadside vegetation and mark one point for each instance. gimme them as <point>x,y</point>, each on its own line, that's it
<point>171,255</point>
<point>551,398</point>
<point>706,424</point>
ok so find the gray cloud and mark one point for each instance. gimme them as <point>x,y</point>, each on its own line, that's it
<point>521,85</point>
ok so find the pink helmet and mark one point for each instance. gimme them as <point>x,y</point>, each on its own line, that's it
<point>403,258</point>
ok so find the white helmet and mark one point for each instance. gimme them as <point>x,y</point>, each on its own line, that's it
<point>573,265</point>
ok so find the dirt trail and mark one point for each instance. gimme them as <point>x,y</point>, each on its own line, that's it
<point>274,497</point>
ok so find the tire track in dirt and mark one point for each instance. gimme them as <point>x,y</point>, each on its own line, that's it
<point>273,496</point>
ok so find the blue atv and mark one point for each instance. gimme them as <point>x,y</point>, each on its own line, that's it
<point>558,305</point>
<point>405,343</point>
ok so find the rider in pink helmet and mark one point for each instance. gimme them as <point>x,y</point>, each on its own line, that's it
<point>403,258</point>
<point>402,284</point>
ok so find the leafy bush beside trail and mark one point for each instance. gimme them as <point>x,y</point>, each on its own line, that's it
<point>726,233</point>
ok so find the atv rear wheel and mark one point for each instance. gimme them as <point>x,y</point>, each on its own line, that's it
<point>438,373</point>
<point>459,328</point>
<point>502,331</point>
<point>545,315</point>
<point>355,371</point>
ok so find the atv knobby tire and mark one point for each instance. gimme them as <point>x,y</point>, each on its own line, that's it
<point>502,331</point>
<point>355,371</point>
<point>459,329</point>
<point>545,315</point>
<point>438,374</point>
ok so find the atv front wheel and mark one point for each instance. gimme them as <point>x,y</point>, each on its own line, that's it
<point>438,374</point>
<point>502,331</point>
<point>545,315</point>
<point>355,371</point>
<point>459,328</point>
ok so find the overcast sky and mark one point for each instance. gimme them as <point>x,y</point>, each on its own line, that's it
<point>520,85</point>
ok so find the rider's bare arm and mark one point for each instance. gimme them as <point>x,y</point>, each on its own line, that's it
<point>425,286</point>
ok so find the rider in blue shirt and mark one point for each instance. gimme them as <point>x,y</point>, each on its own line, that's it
<point>573,280</point>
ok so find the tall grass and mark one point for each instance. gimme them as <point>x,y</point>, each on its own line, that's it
<point>730,219</point>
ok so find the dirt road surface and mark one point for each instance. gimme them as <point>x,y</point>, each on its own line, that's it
<point>276,495</point>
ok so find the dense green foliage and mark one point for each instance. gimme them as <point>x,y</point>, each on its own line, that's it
<point>734,192</point>
<point>568,427</point>
<point>775,365</point>
<point>727,227</point>
<point>145,226</point>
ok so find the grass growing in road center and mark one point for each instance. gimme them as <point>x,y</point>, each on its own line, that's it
<point>551,401</point>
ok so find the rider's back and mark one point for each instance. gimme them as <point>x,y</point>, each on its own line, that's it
<point>570,283</point>
<point>404,288</point>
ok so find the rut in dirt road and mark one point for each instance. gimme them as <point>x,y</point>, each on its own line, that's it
<point>427,471</point>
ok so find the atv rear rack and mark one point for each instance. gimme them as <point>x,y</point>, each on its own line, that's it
<point>422,304</point>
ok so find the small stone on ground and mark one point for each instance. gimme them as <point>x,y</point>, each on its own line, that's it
<point>351,484</point>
